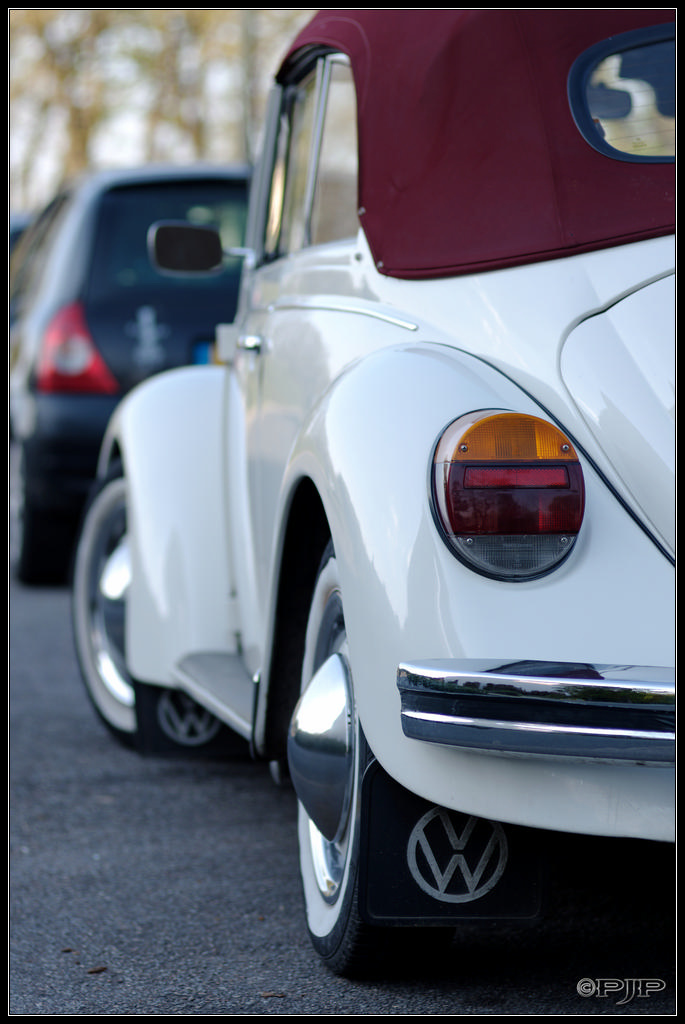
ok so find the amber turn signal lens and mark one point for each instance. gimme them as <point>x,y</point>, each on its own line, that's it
<point>508,494</point>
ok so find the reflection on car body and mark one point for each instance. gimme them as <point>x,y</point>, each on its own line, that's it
<point>426,557</point>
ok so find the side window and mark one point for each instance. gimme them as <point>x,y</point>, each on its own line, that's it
<point>274,213</point>
<point>313,197</point>
<point>334,214</point>
<point>302,122</point>
<point>285,223</point>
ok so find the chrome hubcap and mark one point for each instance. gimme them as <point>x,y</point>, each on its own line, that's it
<point>321,748</point>
<point>322,752</point>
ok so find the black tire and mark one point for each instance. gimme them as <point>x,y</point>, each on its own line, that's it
<point>45,538</point>
<point>148,718</point>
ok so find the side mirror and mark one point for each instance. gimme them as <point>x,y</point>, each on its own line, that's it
<point>181,248</point>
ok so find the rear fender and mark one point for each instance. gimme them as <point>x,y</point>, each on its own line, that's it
<point>378,419</point>
<point>368,450</point>
<point>168,434</point>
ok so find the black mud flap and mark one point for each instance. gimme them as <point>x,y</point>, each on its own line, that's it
<point>172,724</point>
<point>423,864</point>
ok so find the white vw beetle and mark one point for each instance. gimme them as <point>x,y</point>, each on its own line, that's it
<point>413,535</point>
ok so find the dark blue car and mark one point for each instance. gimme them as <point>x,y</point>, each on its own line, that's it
<point>90,317</point>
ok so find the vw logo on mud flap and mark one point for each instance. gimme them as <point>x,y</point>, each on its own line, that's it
<point>456,858</point>
<point>184,721</point>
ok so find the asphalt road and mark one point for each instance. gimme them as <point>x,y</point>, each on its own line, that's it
<point>168,887</point>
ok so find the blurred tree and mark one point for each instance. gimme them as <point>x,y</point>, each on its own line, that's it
<point>54,71</point>
<point>91,88</point>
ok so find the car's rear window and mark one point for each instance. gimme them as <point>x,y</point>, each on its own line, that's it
<point>622,94</point>
<point>120,259</point>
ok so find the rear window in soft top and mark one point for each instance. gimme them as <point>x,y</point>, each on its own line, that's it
<point>622,95</point>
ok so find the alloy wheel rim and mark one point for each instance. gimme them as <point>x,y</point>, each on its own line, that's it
<point>108,587</point>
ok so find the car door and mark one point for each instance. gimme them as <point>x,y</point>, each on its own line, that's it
<point>307,205</point>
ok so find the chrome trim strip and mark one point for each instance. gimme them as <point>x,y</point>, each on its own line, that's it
<point>554,680</point>
<point>618,713</point>
<point>485,723</point>
<point>279,307</point>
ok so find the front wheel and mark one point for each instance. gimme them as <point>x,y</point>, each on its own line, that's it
<point>147,718</point>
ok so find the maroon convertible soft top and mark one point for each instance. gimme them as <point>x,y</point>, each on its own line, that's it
<point>469,154</point>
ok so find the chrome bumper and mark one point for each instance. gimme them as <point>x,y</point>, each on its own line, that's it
<point>608,713</point>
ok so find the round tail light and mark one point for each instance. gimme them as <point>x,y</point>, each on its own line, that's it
<point>508,494</point>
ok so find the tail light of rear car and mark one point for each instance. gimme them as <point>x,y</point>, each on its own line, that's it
<point>508,494</point>
<point>69,360</point>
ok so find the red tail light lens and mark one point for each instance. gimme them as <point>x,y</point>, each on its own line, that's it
<point>508,494</point>
<point>69,360</point>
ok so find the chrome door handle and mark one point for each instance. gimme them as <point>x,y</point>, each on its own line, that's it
<point>250,342</point>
